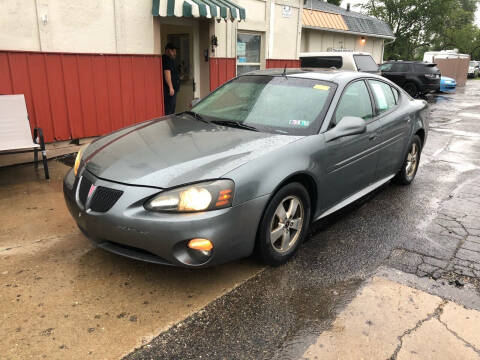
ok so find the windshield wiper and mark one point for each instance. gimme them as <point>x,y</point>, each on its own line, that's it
<point>195,115</point>
<point>236,124</point>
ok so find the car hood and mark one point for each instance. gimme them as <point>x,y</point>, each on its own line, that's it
<point>176,150</point>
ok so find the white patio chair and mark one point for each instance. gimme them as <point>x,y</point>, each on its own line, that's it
<point>15,135</point>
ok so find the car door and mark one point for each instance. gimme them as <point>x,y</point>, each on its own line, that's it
<point>398,72</point>
<point>394,127</point>
<point>349,162</point>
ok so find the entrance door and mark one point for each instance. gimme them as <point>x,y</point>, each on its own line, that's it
<point>183,33</point>
<point>184,65</point>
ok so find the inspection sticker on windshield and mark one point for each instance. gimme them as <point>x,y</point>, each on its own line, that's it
<point>303,123</point>
<point>321,87</point>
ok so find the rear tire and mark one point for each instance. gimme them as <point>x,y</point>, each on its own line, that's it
<point>410,165</point>
<point>411,89</point>
<point>284,224</point>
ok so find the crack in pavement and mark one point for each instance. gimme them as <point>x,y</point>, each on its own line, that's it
<point>435,315</point>
<point>467,344</point>
<point>451,225</point>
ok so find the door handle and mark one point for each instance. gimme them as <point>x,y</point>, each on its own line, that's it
<point>373,136</point>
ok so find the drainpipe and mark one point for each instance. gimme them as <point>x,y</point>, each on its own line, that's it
<point>385,44</point>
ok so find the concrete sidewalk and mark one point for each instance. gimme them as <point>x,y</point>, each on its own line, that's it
<point>61,298</point>
<point>388,320</point>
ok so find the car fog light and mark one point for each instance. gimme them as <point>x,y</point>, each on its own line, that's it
<point>203,245</point>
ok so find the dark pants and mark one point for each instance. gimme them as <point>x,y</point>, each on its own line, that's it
<point>169,102</point>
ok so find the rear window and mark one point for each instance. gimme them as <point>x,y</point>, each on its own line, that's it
<point>426,68</point>
<point>322,61</point>
<point>365,63</point>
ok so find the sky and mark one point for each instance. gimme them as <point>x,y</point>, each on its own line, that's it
<point>355,8</point>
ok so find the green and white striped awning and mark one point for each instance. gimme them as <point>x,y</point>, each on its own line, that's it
<point>212,9</point>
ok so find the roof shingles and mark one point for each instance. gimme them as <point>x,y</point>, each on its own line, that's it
<point>354,21</point>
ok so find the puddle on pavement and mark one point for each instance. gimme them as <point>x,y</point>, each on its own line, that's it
<point>275,315</point>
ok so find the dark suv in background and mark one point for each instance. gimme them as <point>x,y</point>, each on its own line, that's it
<point>415,77</point>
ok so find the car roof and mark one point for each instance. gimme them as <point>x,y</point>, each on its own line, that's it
<point>408,62</point>
<point>333,75</point>
<point>332,53</point>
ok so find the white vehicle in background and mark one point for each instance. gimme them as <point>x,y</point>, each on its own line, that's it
<point>430,56</point>
<point>344,60</point>
<point>473,69</point>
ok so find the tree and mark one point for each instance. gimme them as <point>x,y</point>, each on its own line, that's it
<point>426,25</point>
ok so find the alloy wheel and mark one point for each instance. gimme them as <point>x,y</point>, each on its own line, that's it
<point>286,224</point>
<point>412,161</point>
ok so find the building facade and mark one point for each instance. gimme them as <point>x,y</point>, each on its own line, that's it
<point>326,27</point>
<point>91,66</point>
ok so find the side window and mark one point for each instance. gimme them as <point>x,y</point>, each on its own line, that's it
<point>383,94</point>
<point>400,67</point>
<point>385,67</point>
<point>355,101</point>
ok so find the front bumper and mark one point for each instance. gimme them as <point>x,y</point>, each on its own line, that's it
<point>128,229</point>
<point>448,87</point>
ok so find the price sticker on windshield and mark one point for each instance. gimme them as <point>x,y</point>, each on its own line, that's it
<point>303,123</point>
<point>321,87</point>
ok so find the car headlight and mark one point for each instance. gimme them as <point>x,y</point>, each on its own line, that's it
<point>211,195</point>
<point>78,160</point>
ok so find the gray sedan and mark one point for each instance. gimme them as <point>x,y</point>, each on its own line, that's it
<point>248,169</point>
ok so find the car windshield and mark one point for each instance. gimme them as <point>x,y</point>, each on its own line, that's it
<point>472,63</point>
<point>276,104</point>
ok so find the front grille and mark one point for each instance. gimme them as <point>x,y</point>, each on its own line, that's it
<point>85,185</point>
<point>104,198</point>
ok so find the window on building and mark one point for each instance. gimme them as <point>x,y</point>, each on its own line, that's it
<point>248,52</point>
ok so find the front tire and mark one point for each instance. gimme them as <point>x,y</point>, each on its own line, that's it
<point>410,165</point>
<point>284,224</point>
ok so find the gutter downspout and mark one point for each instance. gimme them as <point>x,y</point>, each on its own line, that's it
<point>385,44</point>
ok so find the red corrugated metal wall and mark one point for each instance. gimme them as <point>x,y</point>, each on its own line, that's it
<point>74,96</point>
<point>280,64</point>
<point>221,70</point>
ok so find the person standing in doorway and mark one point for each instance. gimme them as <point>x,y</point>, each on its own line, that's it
<point>171,80</point>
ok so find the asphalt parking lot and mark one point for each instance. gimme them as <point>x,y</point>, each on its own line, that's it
<point>63,298</point>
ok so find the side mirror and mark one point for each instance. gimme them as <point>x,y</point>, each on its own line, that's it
<point>349,125</point>
<point>194,102</point>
